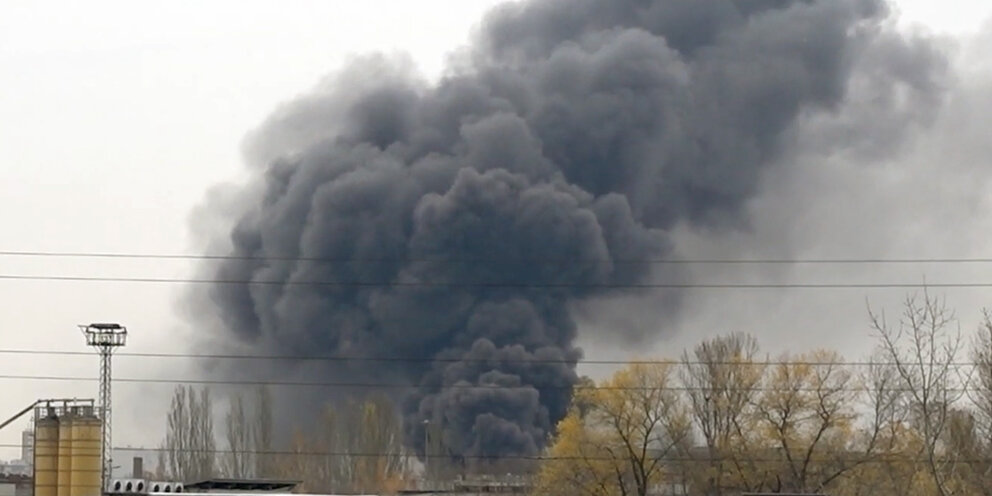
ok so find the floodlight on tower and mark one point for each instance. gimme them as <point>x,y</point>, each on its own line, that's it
<point>105,338</point>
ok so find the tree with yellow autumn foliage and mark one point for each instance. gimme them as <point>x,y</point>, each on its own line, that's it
<point>785,426</point>
<point>733,422</point>
<point>721,380</point>
<point>805,423</point>
<point>623,443</point>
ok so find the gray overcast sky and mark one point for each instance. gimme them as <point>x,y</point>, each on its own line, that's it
<point>115,119</point>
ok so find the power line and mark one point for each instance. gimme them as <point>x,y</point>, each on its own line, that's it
<point>432,387</point>
<point>686,261</point>
<point>494,285</point>
<point>821,456</point>
<point>345,358</point>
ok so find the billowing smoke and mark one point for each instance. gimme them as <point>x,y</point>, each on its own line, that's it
<point>461,222</point>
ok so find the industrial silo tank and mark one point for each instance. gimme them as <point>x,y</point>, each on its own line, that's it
<point>65,454</point>
<point>85,478</point>
<point>46,456</point>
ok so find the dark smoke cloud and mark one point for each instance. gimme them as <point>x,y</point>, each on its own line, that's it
<point>481,209</point>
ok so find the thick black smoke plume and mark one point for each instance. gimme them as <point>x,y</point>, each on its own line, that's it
<point>460,221</point>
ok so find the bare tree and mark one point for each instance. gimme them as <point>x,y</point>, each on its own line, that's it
<point>973,435</point>
<point>161,471</point>
<point>261,433</point>
<point>205,448</point>
<point>238,462</point>
<point>299,463</point>
<point>178,437</point>
<point>377,444</point>
<point>189,441</point>
<point>889,467</point>
<point>357,447</point>
<point>923,348</point>
<point>981,356</point>
<point>332,471</point>
<point>318,459</point>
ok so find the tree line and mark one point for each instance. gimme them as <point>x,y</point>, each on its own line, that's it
<point>723,419</point>
<point>913,419</point>
<point>189,451</point>
<point>354,447</point>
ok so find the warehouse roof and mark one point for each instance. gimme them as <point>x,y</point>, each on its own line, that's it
<point>260,485</point>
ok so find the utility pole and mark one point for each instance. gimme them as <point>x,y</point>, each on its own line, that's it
<point>105,338</point>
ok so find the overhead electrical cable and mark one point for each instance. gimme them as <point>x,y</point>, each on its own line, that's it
<point>855,456</point>
<point>496,284</point>
<point>344,358</point>
<point>688,261</point>
<point>461,385</point>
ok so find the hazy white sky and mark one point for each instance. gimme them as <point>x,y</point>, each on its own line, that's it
<point>116,117</point>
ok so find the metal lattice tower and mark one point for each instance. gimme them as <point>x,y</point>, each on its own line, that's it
<point>105,338</point>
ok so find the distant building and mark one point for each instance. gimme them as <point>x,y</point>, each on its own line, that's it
<point>24,467</point>
<point>15,468</point>
<point>27,446</point>
<point>474,485</point>
<point>15,485</point>
<point>124,463</point>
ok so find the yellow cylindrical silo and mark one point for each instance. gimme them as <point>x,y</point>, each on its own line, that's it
<point>46,456</point>
<point>65,454</point>
<point>85,475</point>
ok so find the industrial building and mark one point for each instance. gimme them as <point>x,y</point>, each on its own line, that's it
<point>15,485</point>
<point>67,449</point>
<point>62,455</point>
